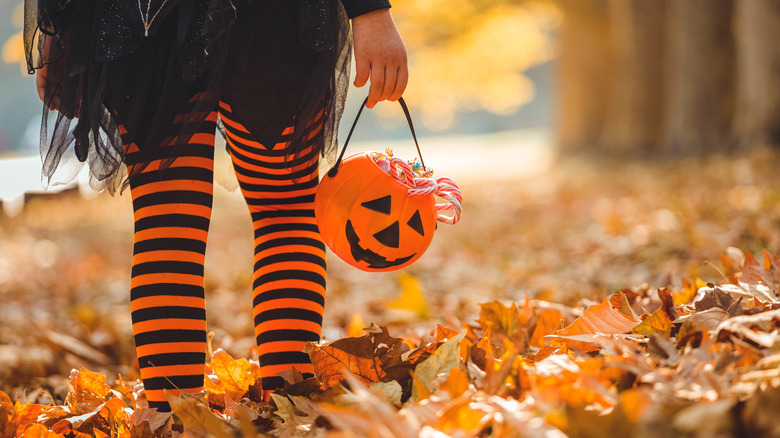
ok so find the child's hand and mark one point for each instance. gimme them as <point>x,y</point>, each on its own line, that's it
<point>380,54</point>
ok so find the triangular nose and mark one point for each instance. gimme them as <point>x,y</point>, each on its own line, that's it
<point>389,236</point>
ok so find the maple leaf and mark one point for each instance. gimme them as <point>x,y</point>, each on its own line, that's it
<point>235,375</point>
<point>366,357</point>
<point>89,391</point>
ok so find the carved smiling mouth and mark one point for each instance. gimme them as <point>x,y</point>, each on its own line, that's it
<point>374,260</point>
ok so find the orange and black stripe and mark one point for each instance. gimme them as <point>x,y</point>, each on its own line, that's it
<point>172,211</point>
<point>289,270</point>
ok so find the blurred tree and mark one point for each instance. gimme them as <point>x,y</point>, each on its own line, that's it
<point>584,65</point>
<point>701,90</point>
<point>678,76</point>
<point>636,87</point>
<point>758,70</point>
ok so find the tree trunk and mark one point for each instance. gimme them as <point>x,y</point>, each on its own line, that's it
<point>583,72</point>
<point>636,105</point>
<point>758,72</point>
<point>700,103</point>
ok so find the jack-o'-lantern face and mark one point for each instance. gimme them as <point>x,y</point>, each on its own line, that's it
<point>367,218</point>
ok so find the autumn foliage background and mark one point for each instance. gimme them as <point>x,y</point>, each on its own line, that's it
<point>617,277</point>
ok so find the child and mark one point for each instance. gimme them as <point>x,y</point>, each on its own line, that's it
<point>144,81</point>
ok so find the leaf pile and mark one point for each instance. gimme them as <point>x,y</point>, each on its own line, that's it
<point>699,361</point>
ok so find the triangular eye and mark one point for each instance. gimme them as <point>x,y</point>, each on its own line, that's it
<point>416,223</point>
<point>389,236</point>
<point>381,205</point>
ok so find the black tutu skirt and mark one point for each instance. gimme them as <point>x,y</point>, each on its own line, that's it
<point>155,70</point>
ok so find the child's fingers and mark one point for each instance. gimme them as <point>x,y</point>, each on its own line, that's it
<point>400,83</point>
<point>362,71</point>
<point>390,82</point>
<point>377,85</point>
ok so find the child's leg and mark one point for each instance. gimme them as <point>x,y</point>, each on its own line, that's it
<point>172,211</point>
<point>289,271</point>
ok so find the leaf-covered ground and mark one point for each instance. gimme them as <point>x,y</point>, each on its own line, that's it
<point>591,299</point>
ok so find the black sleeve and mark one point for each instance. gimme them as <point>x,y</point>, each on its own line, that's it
<point>360,7</point>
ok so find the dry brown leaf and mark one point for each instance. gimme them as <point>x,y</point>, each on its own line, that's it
<point>369,357</point>
<point>708,319</point>
<point>620,302</point>
<point>151,417</point>
<point>760,328</point>
<point>198,419</point>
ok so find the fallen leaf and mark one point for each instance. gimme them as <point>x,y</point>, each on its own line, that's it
<point>7,426</point>
<point>89,391</point>
<point>151,417</point>
<point>620,302</point>
<point>291,416</point>
<point>24,414</point>
<point>445,358</point>
<point>390,391</point>
<point>755,328</point>
<point>708,319</point>
<point>235,375</point>
<point>505,321</point>
<point>39,431</point>
<point>660,321</point>
<point>599,318</point>
<point>366,357</point>
<point>197,418</point>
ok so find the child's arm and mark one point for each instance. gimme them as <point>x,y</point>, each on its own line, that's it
<point>380,55</point>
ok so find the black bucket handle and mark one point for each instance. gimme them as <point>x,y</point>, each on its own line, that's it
<point>334,170</point>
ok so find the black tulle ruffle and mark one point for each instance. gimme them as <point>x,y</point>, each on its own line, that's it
<point>276,62</point>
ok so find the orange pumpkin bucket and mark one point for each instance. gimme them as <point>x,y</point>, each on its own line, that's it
<point>378,212</point>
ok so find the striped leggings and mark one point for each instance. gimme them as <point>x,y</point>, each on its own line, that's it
<point>172,211</point>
